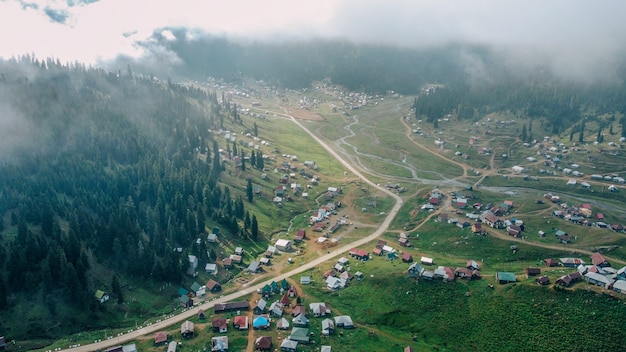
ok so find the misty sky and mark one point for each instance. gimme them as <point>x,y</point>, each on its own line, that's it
<point>569,33</point>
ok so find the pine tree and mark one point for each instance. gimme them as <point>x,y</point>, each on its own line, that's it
<point>254,228</point>
<point>116,289</point>
<point>256,130</point>
<point>523,136</point>
<point>260,164</point>
<point>253,159</point>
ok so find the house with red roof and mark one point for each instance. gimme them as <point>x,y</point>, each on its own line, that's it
<point>598,260</point>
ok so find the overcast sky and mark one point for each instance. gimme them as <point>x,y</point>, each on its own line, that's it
<point>567,31</point>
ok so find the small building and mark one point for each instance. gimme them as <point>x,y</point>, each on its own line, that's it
<point>619,286</point>
<point>219,325</point>
<point>359,254</point>
<point>282,324</point>
<point>187,329</point>
<point>288,345</point>
<point>171,347</point>
<point>101,296</point>
<point>542,280</point>
<point>571,262</point>
<point>254,267</point>
<point>415,270</point>
<point>198,289</point>
<point>328,327</point>
<point>533,272</point>
<point>407,257</point>
<point>261,322</point>
<point>283,245</point>
<point>297,310</point>
<point>131,347</point>
<point>211,268</point>
<point>427,261</point>
<point>473,265</point>
<point>213,286</point>
<point>240,322</point>
<point>160,338</point>
<point>299,236</point>
<point>301,335</point>
<point>598,279</point>
<point>219,343</point>
<point>344,321</point>
<point>567,280</point>
<point>551,262</point>
<point>263,343</point>
<point>261,307</point>
<point>598,260</point>
<point>319,309</point>
<point>504,277</point>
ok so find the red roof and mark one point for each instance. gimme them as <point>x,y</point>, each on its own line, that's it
<point>597,259</point>
<point>160,337</point>
<point>211,284</point>
<point>297,310</point>
<point>406,256</point>
<point>240,320</point>
<point>433,201</point>
<point>218,322</point>
<point>600,216</point>
<point>358,252</point>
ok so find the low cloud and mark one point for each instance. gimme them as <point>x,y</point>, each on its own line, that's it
<point>572,38</point>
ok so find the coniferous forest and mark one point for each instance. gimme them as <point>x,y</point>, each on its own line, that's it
<point>102,170</point>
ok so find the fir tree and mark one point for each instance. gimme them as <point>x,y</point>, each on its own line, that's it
<point>254,228</point>
<point>116,289</point>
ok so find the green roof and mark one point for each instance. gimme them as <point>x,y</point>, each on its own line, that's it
<point>195,286</point>
<point>505,276</point>
<point>100,294</point>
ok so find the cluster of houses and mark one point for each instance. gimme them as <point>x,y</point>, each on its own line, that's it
<point>265,315</point>
<point>185,296</point>
<point>492,216</point>
<point>599,272</point>
<point>416,270</point>
<point>339,275</point>
<point>583,215</point>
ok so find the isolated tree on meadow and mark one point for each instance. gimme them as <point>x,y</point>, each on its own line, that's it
<point>253,159</point>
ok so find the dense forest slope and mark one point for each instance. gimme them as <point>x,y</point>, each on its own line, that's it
<point>101,170</point>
